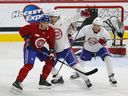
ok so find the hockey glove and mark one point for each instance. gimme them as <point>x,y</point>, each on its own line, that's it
<point>85,13</point>
<point>102,41</point>
<point>52,54</point>
<point>70,39</point>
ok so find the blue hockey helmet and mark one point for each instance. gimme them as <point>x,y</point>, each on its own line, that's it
<point>45,18</point>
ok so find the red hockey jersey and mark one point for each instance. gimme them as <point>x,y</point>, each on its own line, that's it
<point>37,36</point>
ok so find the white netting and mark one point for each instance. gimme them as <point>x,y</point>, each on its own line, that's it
<point>105,12</point>
<point>113,14</point>
<point>109,12</point>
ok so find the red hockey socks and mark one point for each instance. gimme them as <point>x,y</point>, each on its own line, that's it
<point>47,68</point>
<point>24,71</point>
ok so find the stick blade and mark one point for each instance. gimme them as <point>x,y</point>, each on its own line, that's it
<point>91,72</point>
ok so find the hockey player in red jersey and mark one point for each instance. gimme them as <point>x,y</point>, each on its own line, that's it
<point>36,35</point>
<point>62,46</point>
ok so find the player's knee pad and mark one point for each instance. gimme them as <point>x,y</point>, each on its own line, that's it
<point>105,56</point>
<point>28,66</point>
<point>107,59</point>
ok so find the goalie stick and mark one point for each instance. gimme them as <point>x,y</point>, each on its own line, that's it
<point>85,73</point>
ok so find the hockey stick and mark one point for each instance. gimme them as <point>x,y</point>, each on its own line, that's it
<point>87,73</point>
<point>119,39</point>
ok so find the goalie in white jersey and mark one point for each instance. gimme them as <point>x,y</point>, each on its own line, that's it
<point>96,40</point>
<point>62,44</point>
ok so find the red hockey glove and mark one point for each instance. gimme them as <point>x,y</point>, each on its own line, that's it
<point>102,41</point>
<point>85,13</point>
<point>52,54</point>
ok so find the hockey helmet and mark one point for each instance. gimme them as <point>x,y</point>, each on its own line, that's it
<point>55,13</point>
<point>45,18</point>
<point>98,21</point>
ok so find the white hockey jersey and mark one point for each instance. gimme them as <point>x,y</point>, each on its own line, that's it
<point>61,34</point>
<point>91,39</point>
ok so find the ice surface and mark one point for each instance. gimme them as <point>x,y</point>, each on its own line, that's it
<point>11,61</point>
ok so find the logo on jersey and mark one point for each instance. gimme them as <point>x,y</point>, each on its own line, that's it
<point>31,13</point>
<point>92,41</point>
<point>39,43</point>
<point>58,33</point>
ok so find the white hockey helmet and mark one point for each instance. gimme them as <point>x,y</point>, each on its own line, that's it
<point>55,13</point>
<point>98,21</point>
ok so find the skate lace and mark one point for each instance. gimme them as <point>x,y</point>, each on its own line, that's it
<point>87,82</point>
<point>55,80</point>
<point>75,75</point>
<point>112,78</point>
<point>20,85</point>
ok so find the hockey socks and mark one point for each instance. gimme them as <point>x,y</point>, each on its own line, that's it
<point>24,71</point>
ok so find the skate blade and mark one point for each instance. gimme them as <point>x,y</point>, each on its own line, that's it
<point>72,78</point>
<point>89,87</point>
<point>16,90</point>
<point>115,85</point>
<point>44,87</point>
<point>58,83</point>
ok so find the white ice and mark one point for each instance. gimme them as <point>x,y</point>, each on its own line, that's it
<point>11,61</point>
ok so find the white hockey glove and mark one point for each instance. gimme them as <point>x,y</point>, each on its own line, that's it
<point>52,54</point>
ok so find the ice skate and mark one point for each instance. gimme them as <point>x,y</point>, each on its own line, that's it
<point>112,79</point>
<point>16,86</point>
<point>43,84</point>
<point>58,81</point>
<point>74,76</point>
<point>88,83</point>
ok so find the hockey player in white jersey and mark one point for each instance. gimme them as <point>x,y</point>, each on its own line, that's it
<point>62,44</point>
<point>96,40</point>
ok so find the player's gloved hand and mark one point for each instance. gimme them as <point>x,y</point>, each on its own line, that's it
<point>52,54</point>
<point>27,42</point>
<point>70,39</point>
<point>85,13</point>
<point>102,41</point>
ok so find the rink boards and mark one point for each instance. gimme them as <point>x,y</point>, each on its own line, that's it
<point>15,37</point>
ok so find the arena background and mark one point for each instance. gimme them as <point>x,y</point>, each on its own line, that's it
<point>9,26</point>
<point>11,56</point>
